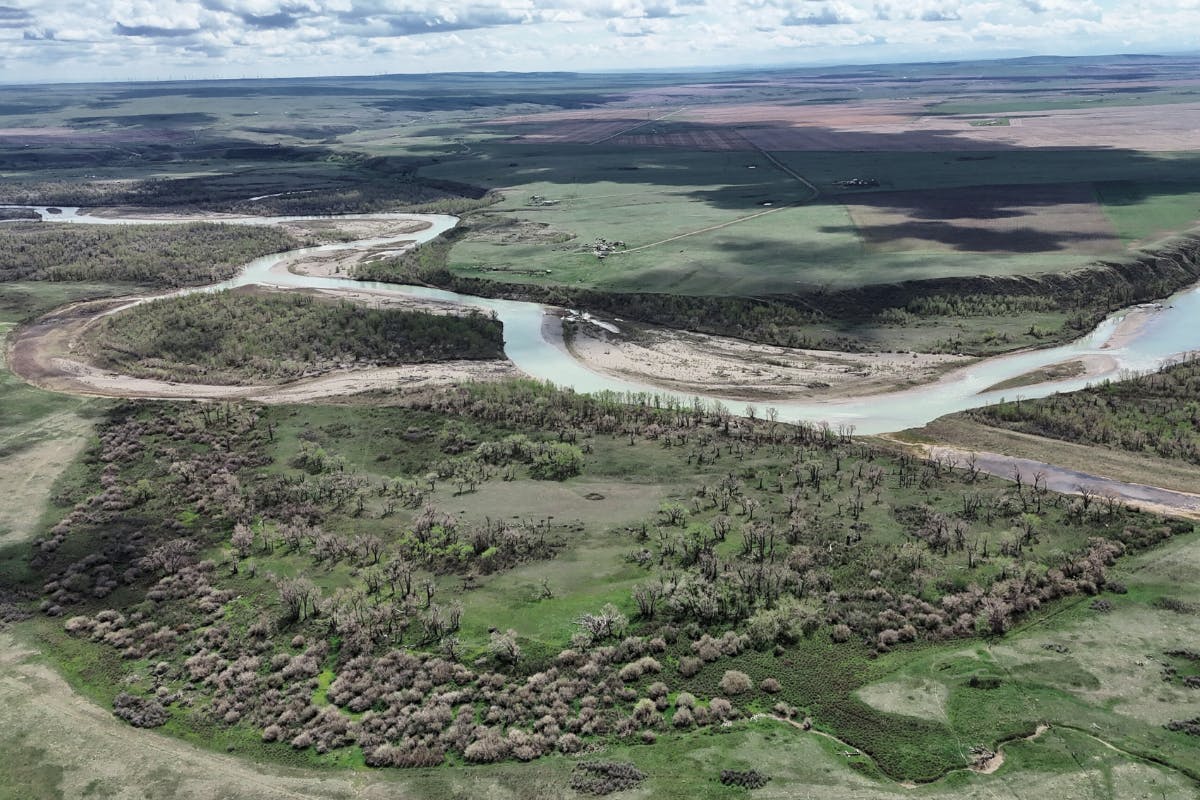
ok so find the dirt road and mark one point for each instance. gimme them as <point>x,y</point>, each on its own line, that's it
<point>1069,481</point>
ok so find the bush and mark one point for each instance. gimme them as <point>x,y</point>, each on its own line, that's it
<point>487,749</point>
<point>750,779</point>
<point>770,686</point>
<point>984,682</point>
<point>721,708</point>
<point>689,666</point>
<point>605,777</point>
<point>557,462</point>
<point>140,712</point>
<point>735,682</point>
<point>1189,726</point>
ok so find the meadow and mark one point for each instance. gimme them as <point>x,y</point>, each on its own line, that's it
<point>251,578</point>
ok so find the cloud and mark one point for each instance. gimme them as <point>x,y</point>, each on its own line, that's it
<point>152,31</point>
<point>60,38</point>
<point>13,17</point>
<point>940,15</point>
<point>827,14</point>
<point>920,10</point>
<point>278,20</point>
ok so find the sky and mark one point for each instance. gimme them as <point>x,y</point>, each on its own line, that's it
<point>116,40</point>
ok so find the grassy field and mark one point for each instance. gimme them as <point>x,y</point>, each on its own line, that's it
<point>41,433</point>
<point>508,550</point>
<point>583,193</point>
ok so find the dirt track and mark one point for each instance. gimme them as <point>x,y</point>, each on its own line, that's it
<point>1068,481</point>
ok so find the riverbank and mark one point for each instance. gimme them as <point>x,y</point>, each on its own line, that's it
<point>870,393</point>
<point>697,363</point>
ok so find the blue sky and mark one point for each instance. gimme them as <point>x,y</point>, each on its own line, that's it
<point>57,40</point>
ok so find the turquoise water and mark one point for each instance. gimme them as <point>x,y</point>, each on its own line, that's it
<point>1166,334</point>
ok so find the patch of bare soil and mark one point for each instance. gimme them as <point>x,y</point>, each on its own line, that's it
<point>342,230</point>
<point>339,263</point>
<point>27,475</point>
<point>990,762</point>
<point>697,363</point>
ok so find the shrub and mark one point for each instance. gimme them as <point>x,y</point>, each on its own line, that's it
<point>984,682</point>
<point>750,779</point>
<point>140,712</point>
<point>557,462</point>
<point>630,672</point>
<point>605,777</point>
<point>736,682</point>
<point>689,666</point>
<point>1189,726</point>
<point>721,708</point>
<point>488,748</point>
<point>770,686</point>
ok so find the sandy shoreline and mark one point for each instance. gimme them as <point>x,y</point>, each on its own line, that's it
<point>698,363</point>
<point>734,369</point>
<point>1130,324</point>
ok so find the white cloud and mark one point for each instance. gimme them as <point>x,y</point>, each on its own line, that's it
<point>118,39</point>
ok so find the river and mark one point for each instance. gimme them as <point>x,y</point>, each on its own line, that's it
<point>1165,334</point>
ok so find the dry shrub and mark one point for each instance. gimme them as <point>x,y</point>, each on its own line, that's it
<point>736,682</point>
<point>140,712</point>
<point>605,777</point>
<point>683,718</point>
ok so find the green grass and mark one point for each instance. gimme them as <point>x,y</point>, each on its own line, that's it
<point>643,196</point>
<point>22,300</point>
<point>1143,213</point>
<point>1062,102</point>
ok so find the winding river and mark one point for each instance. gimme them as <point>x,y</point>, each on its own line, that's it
<point>1167,333</point>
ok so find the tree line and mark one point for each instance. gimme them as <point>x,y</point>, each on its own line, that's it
<point>151,255</point>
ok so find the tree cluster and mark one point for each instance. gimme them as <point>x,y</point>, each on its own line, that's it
<point>229,337</point>
<point>193,254</point>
